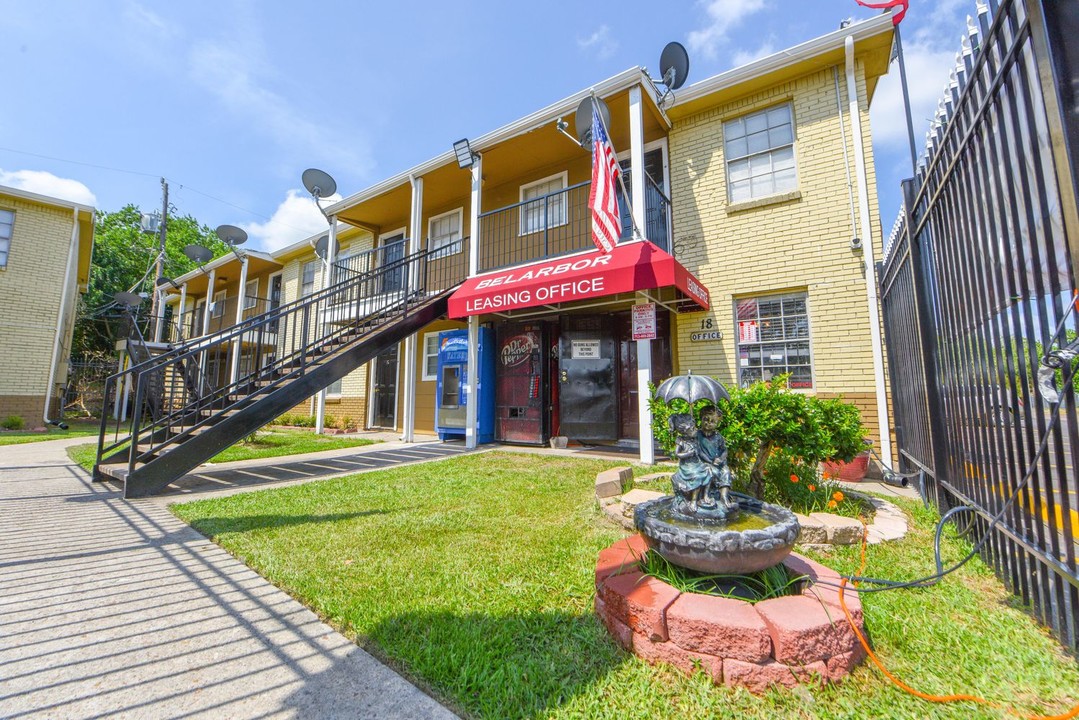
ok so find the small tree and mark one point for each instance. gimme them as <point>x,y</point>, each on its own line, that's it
<point>766,419</point>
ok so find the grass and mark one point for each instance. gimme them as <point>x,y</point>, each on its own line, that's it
<point>264,444</point>
<point>474,577</point>
<point>77,428</point>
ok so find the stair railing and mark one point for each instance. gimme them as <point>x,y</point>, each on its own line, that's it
<point>252,358</point>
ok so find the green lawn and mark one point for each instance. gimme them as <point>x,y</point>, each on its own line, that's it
<point>77,428</point>
<point>264,444</point>
<point>474,577</point>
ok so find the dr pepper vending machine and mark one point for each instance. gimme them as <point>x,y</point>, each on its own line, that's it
<point>451,389</point>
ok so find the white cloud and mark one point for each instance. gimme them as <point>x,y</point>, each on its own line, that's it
<point>723,15</point>
<point>45,183</point>
<point>296,218</point>
<point>232,73</point>
<point>744,57</point>
<point>601,42</point>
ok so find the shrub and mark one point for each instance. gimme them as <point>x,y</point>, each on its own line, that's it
<point>13,422</point>
<point>347,423</point>
<point>296,420</point>
<point>766,419</point>
<point>329,421</point>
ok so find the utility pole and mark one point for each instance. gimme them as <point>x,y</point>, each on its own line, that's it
<point>158,306</point>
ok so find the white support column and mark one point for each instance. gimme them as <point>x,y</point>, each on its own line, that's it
<point>866,231</point>
<point>241,296</point>
<point>327,277</point>
<point>415,227</point>
<point>207,308</point>
<point>644,347</point>
<point>471,409</point>
<point>182,312</point>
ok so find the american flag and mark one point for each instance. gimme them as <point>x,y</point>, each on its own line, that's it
<point>606,220</point>
<point>897,15</point>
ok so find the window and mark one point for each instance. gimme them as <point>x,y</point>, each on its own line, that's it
<point>251,292</point>
<point>773,338</point>
<point>760,154</point>
<point>307,277</point>
<point>444,231</point>
<point>219,305</point>
<point>547,210</point>
<point>430,356</point>
<point>335,387</point>
<point>7,225</point>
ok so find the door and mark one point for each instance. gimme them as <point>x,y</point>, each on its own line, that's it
<point>655,203</point>
<point>384,390</point>
<point>587,378</point>
<point>393,250</point>
<point>521,383</point>
<point>275,299</point>
<point>629,398</point>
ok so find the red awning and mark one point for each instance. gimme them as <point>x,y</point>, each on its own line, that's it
<point>630,267</point>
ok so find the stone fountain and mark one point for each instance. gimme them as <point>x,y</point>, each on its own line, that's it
<point>706,527</point>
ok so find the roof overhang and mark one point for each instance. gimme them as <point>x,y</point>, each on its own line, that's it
<point>84,218</point>
<point>585,277</point>
<point>872,43</point>
<point>226,269</point>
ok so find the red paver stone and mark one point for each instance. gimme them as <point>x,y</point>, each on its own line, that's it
<point>620,558</point>
<point>719,626</point>
<point>803,631</point>
<point>757,677</point>
<point>839,666</point>
<point>621,632</point>
<point>641,601</point>
<point>670,653</point>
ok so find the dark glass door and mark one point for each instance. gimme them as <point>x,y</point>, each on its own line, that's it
<point>587,378</point>
<point>384,390</point>
<point>629,399</point>
<point>393,250</point>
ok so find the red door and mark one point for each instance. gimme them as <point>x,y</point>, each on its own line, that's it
<point>521,383</point>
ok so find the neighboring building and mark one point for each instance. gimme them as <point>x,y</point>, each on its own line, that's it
<point>756,181</point>
<point>45,249</point>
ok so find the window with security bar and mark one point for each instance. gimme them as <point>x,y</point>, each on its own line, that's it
<point>760,154</point>
<point>773,338</point>
<point>544,204</point>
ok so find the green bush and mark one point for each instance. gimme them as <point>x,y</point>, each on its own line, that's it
<point>296,420</point>
<point>766,419</point>
<point>13,422</point>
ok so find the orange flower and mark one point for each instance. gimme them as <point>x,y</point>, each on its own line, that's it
<point>794,478</point>
<point>833,504</point>
<point>837,496</point>
<point>812,488</point>
<point>826,476</point>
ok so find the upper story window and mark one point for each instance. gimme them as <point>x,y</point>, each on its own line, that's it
<point>760,154</point>
<point>219,304</point>
<point>7,225</point>
<point>444,231</point>
<point>251,291</point>
<point>307,277</point>
<point>773,338</point>
<point>546,210</point>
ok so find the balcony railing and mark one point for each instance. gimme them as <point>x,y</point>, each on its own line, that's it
<point>560,224</point>
<point>189,324</point>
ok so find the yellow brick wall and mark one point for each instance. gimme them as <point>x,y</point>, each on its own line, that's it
<point>799,244</point>
<point>31,288</point>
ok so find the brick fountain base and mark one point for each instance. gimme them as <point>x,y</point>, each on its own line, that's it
<point>784,641</point>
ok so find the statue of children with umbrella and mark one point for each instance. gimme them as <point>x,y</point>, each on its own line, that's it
<point>703,480</point>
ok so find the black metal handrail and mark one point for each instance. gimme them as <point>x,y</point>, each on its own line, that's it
<point>278,345</point>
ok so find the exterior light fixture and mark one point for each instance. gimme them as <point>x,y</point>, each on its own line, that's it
<point>465,157</point>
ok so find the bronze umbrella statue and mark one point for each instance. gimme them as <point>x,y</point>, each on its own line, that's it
<point>691,388</point>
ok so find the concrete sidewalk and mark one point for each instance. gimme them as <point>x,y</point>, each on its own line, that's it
<point>110,608</point>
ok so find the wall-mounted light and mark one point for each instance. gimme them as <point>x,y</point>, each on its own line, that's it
<point>465,157</point>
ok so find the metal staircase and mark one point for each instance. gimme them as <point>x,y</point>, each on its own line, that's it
<point>182,407</point>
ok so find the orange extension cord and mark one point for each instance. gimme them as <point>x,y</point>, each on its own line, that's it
<point>1074,712</point>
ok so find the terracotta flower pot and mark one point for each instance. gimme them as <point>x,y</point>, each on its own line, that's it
<point>853,471</point>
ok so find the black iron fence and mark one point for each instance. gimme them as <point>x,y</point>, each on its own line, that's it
<point>977,286</point>
<point>560,223</point>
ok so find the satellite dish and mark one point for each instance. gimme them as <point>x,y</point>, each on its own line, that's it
<point>583,119</point>
<point>231,235</point>
<point>674,65</point>
<point>197,254</point>
<point>318,183</point>
<point>322,243</point>
<point>165,281</point>
<point>127,299</point>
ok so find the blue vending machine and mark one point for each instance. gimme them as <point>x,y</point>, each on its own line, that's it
<point>451,390</point>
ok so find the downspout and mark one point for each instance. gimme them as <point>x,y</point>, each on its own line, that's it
<point>60,322</point>
<point>870,266</point>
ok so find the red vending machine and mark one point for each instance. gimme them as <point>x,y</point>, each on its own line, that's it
<point>521,383</point>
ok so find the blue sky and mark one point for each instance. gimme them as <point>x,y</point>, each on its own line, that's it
<point>231,100</point>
